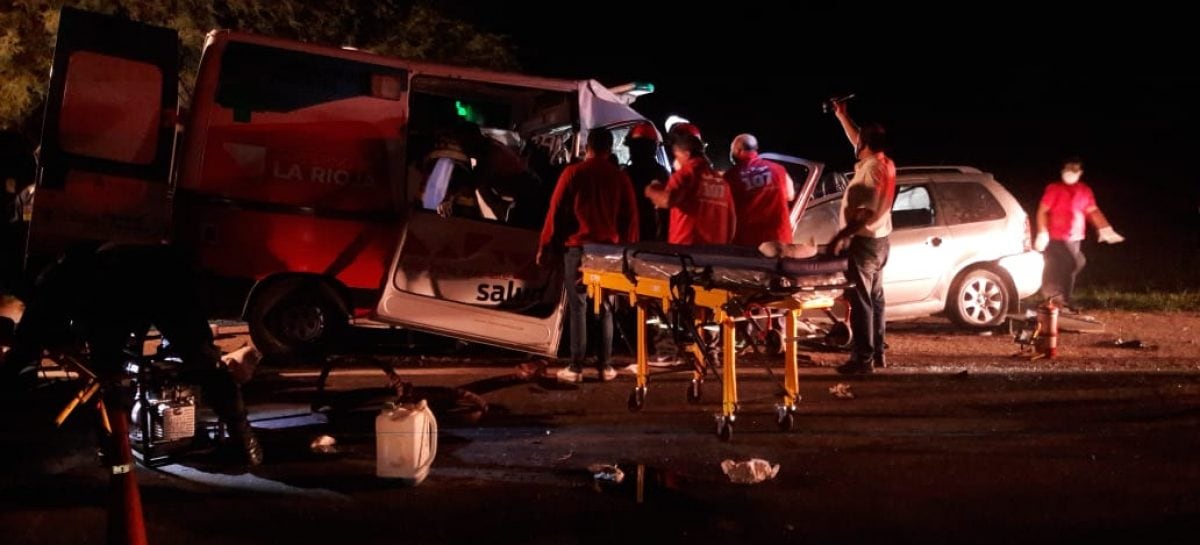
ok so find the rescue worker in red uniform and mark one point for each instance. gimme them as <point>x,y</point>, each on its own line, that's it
<point>699,199</point>
<point>592,203</point>
<point>1066,207</point>
<point>761,192</point>
<point>644,169</point>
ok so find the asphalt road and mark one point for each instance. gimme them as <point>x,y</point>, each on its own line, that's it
<point>916,456</point>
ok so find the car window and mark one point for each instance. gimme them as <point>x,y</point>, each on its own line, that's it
<point>830,183</point>
<point>913,208</point>
<point>968,202</point>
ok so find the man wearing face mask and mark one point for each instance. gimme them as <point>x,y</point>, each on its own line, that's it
<point>1066,207</point>
<point>867,220</point>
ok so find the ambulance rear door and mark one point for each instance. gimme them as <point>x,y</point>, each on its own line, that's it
<point>107,136</point>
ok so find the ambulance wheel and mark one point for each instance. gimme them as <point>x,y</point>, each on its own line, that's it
<point>296,318</point>
<point>695,392</point>
<point>979,298</point>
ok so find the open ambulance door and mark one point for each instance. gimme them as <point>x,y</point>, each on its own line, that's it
<point>475,279</point>
<point>107,135</point>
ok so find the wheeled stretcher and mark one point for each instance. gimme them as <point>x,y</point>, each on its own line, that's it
<point>692,288</point>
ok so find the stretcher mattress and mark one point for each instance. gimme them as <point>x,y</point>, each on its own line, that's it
<point>732,267</point>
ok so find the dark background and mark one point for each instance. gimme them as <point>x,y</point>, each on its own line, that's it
<point>1009,89</point>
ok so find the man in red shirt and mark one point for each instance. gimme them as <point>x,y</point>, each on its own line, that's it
<point>700,202</point>
<point>761,193</point>
<point>1066,207</point>
<point>592,203</point>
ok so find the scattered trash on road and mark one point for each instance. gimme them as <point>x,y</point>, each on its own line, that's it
<point>324,444</point>
<point>566,456</point>
<point>609,473</point>
<point>531,369</point>
<point>986,333</point>
<point>841,391</point>
<point>752,471</point>
<point>1130,344</point>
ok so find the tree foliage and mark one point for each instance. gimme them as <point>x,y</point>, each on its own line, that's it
<point>388,27</point>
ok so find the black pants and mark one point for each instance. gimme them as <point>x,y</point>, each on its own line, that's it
<point>867,256</point>
<point>1064,261</point>
<point>577,313</point>
<point>104,297</point>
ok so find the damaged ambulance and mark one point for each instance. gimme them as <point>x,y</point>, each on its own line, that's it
<point>315,185</point>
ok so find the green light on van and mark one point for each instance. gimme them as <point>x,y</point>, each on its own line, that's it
<point>467,112</point>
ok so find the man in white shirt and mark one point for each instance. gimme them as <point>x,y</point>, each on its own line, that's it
<point>867,222</point>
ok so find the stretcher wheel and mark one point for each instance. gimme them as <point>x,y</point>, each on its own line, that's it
<point>725,429</point>
<point>637,399</point>
<point>786,421</point>
<point>694,391</point>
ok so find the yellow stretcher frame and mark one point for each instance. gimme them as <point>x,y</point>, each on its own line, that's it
<point>647,290</point>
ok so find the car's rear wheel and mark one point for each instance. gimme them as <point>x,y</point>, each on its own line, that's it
<point>979,298</point>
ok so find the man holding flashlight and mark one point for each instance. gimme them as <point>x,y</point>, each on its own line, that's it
<point>866,224</point>
<point>1066,207</point>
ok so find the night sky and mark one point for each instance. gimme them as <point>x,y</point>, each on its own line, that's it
<point>1010,91</point>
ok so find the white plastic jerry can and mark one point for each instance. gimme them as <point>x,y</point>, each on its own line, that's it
<point>405,442</point>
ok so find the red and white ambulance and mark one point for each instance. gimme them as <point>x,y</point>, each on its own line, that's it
<point>295,177</point>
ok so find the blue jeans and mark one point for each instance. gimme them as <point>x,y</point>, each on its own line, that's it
<point>867,257</point>
<point>577,313</point>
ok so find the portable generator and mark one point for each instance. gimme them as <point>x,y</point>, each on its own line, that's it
<point>163,419</point>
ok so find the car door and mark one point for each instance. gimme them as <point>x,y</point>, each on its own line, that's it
<point>107,136</point>
<point>474,280</point>
<point>921,245</point>
<point>804,174</point>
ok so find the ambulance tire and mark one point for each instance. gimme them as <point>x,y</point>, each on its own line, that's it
<point>296,318</point>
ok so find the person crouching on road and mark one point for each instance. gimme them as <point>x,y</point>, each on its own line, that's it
<point>104,296</point>
<point>1065,207</point>
<point>867,222</point>
<point>761,192</point>
<point>592,203</point>
<point>699,199</point>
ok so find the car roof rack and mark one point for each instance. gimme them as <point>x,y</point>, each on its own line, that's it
<point>936,169</point>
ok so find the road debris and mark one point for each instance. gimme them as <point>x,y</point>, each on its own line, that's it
<point>752,471</point>
<point>1131,344</point>
<point>841,390</point>
<point>531,369</point>
<point>608,473</point>
<point>324,444</point>
<point>566,456</point>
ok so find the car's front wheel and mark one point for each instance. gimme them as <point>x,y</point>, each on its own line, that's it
<point>979,298</point>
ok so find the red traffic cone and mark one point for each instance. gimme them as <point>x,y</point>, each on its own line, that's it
<point>126,525</point>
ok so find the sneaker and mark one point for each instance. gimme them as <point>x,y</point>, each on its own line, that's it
<point>854,368</point>
<point>606,373</point>
<point>570,373</point>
